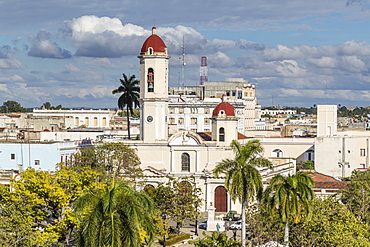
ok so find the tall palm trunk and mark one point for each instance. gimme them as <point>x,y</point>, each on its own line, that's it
<point>244,204</point>
<point>286,234</point>
<point>128,122</point>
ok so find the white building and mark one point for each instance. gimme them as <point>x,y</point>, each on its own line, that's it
<point>278,112</point>
<point>338,154</point>
<point>190,108</point>
<point>42,156</point>
<point>326,120</point>
<point>89,118</point>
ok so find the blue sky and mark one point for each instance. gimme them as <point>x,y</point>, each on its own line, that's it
<point>73,53</point>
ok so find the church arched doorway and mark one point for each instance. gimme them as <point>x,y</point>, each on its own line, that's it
<point>220,199</point>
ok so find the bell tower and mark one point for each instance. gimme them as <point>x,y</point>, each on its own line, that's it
<point>153,89</point>
<point>224,124</point>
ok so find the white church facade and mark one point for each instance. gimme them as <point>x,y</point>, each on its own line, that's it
<point>187,153</point>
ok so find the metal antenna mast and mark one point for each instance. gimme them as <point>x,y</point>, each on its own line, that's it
<point>183,61</point>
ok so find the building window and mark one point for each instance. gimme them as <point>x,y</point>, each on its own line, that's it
<point>206,110</point>
<point>171,120</point>
<point>181,120</point>
<point>150,80</point>
<point>309,156</point>
<point>193,120</point>
<point>194,130</point>
<point>222,134</point>
<point>181,110</point>
<point>12,156</point>
<point>277,153</point>
<point>37,162</point>
<point>171,110</point>
<point>227,93</point>
<point>206,121</point>
<point>234,93</point>
<point>86,121</point>
<point>95,121</point>
<point>185,162</point>
<point>240,94</point>
<point>362,166</point>
<point>77,121</point>
<point>104,121</point>
<point>362,152</point>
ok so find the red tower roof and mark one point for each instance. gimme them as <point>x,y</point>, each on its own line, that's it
<point>155,42</point>
<point>228,109</point>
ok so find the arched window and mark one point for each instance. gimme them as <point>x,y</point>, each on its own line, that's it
<point>149,189</point>
<point>277,153</point>
<point>222,134</point>
<point>150,80</point>
<point>185,162</point>
<point>86,121</point>
<point>77,121</point>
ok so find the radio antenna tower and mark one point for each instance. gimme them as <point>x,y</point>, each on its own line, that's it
<point>203,71</point>
<point>183,61</point>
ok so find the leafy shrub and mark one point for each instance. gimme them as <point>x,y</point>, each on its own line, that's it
<point>174,238</point>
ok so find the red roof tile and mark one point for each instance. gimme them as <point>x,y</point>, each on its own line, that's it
<point>226,107</point>
<point>155,42</point>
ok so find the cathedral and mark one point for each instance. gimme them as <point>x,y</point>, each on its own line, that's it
<point>184,153</point>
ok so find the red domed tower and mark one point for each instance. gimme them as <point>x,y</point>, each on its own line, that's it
<point>154,89</point>
<point>224,124</point>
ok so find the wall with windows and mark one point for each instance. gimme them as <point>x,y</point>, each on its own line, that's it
<point>23,155</point>
<point>40,156</point>
<point>89,118</point>
<point>338,156</point>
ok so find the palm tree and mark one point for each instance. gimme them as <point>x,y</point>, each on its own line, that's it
<point>119,216</point>
<point>243,181</point>
<point>130,89</point>
<point>291,196</point>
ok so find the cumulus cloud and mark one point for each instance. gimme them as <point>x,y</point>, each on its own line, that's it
<point>173,37</point>
<point>323,62</point>
<point>107,37</point>
<point>43,47</point>
<point>220,44</point>
<point>72,74</point>
<point>10,63</point>
<point>4,50</point>
<point>11,78</point>
<point>249,45</point>
<point>348,48</point>
<point>220,60</point>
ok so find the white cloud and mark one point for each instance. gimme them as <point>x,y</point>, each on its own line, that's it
<point>352,63</point>
<point>3,88</point>
<point>219,60</point>
<point>10,63</point>
<point>323,62</point>
<point>43,47</point>
<point>219,44</point>
<point>108,37</point>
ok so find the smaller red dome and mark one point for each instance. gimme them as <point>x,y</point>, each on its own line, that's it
<point>228,109</point>
<point>155,42</point>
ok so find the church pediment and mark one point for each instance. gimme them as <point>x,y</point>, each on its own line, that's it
<point>151,171</point>
<point>187,138</point>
